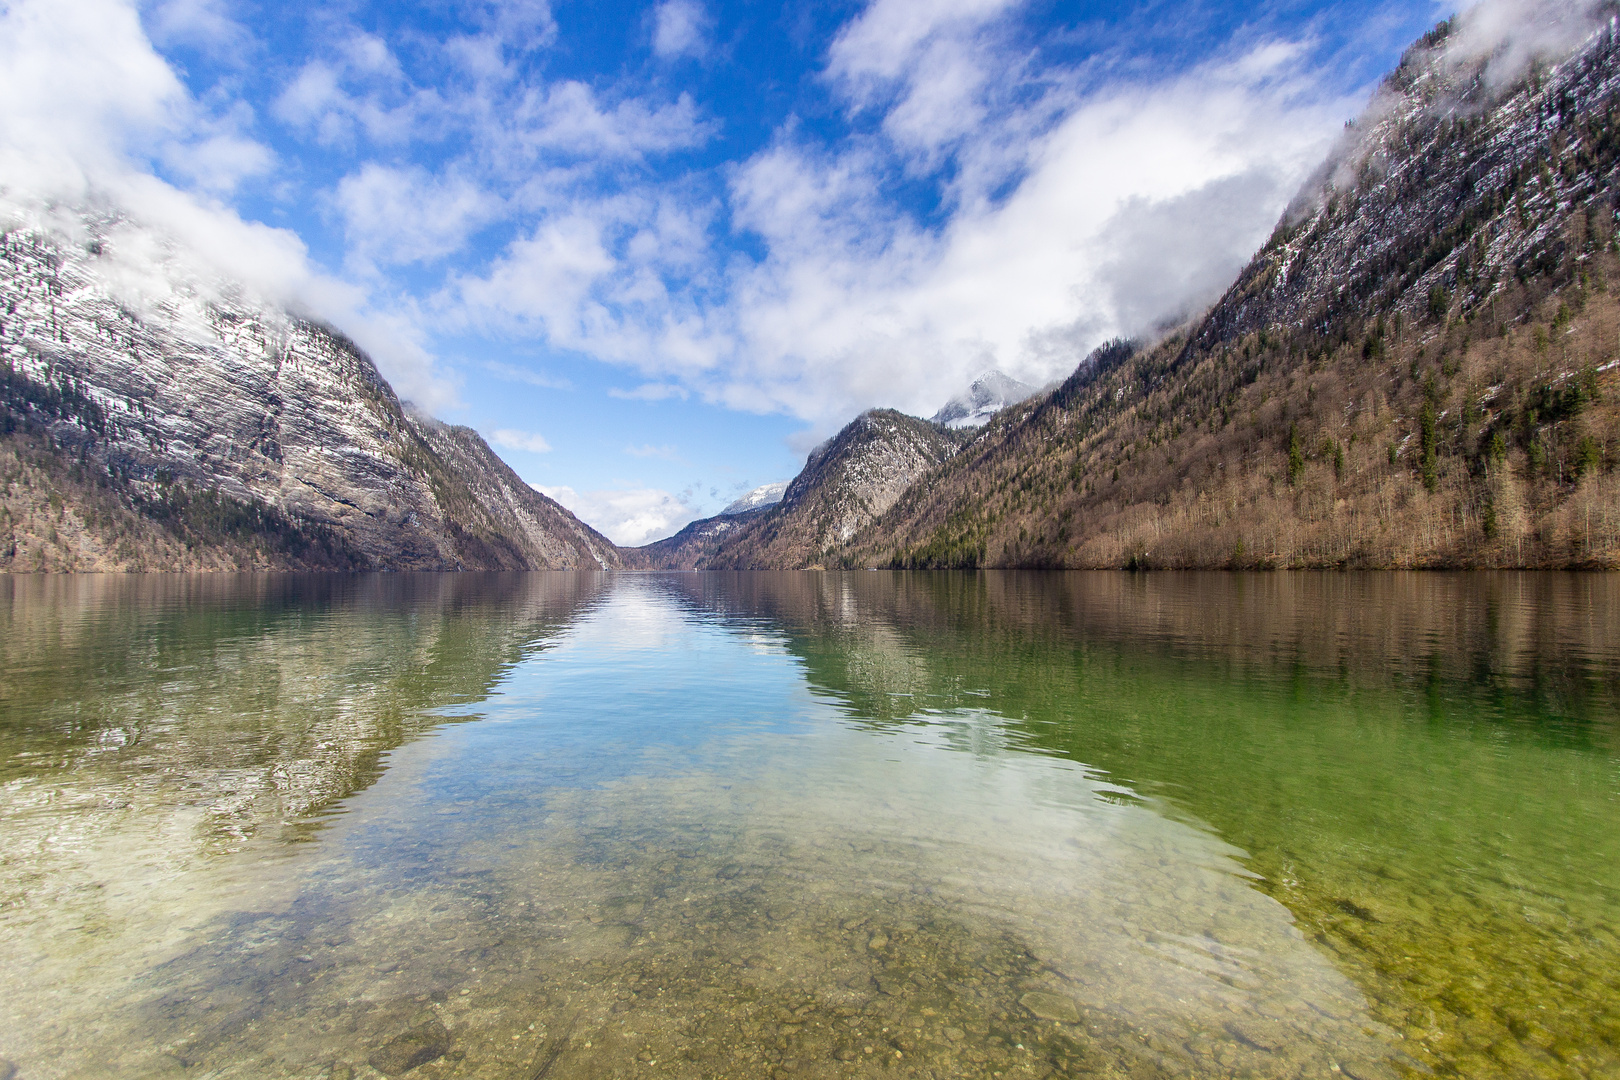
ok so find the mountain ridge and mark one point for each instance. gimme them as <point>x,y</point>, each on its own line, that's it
<point>207,430</point>
<point>1379,387</point>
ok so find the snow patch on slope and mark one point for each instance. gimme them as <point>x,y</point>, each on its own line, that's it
<point>988,395</point>
<point>764,495</point>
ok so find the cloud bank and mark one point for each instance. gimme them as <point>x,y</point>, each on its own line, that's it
<point>1065,216</point>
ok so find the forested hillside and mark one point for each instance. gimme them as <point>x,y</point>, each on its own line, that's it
<point>1419,368</point>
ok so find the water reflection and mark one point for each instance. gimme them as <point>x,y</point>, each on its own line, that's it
<point>150,726</point>
<point>807,824</point>
<point>1420,766</point>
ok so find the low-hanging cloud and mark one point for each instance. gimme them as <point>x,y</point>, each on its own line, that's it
<point>1511,34</point>
<point>629,516</point>
<point>93,144</point>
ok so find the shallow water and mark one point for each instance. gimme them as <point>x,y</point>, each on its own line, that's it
<point>809,824</point>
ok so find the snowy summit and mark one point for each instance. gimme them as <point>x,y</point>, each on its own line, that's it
<point>765,495</point>
<point>988,395</point>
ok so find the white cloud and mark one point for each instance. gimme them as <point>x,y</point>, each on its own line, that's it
<point>404,215</point>
<point>680,28</point>
<point>629,517</point>
<point>512,439</point>
<point>120,96</point>
<point>1512,33</point>
<point>568,117</point>
<point>521,25</point>
<point>206,24</point>
<point>929,63</point>
<point>359,88</point>
<point>885,40</point>
<point>216,154</point>
<point>513,373</point>
<point>1138,202</point>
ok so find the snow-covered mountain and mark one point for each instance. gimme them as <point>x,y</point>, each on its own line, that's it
<point>986,396</point>
<point>170,419</point>
<point>764,495</point>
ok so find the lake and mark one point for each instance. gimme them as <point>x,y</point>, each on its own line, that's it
<point>810,825</point>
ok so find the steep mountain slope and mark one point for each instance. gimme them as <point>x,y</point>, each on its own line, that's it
<point>1419,368</point>
<point>846,483</point>
<point>166,421</point>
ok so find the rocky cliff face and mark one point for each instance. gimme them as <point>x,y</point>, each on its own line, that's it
<point>208,428</point>
<point>1451,182</point>
<point>846,483</point>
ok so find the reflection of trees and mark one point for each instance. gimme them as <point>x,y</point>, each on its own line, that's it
<point>254,699</point>
<point>1524,644</point>
<point>1419,765</point>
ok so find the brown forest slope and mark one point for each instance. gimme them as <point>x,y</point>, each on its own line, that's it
<point>1419,369</point>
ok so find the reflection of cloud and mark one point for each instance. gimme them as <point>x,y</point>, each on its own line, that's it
<point>629,517</point>
<point>512,439</point>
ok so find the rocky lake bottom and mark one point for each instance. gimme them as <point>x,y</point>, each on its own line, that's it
<point>810,825</point>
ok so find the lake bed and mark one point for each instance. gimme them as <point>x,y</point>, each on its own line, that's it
<point>811,824</point>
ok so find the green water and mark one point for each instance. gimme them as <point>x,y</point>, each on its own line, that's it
<point>809,824</point>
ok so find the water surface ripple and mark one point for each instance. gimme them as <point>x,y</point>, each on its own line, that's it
<point>810,824</point>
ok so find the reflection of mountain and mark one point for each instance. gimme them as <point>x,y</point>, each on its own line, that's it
<point>249,704</point>
<point>1405,757</point>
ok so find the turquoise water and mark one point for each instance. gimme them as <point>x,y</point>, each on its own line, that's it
<point>810,824</point>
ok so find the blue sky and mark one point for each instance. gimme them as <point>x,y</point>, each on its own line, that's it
<point>655,251</point>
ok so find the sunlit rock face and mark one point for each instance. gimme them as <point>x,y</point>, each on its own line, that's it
<point>157,374</point>
<point>847,482</point>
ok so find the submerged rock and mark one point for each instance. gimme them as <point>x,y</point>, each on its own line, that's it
<point>418,1046</point>
<point>1051,1007</point>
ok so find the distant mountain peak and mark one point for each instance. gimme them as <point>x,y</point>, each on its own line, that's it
<point>764,495</point>
<point>985,396</point>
